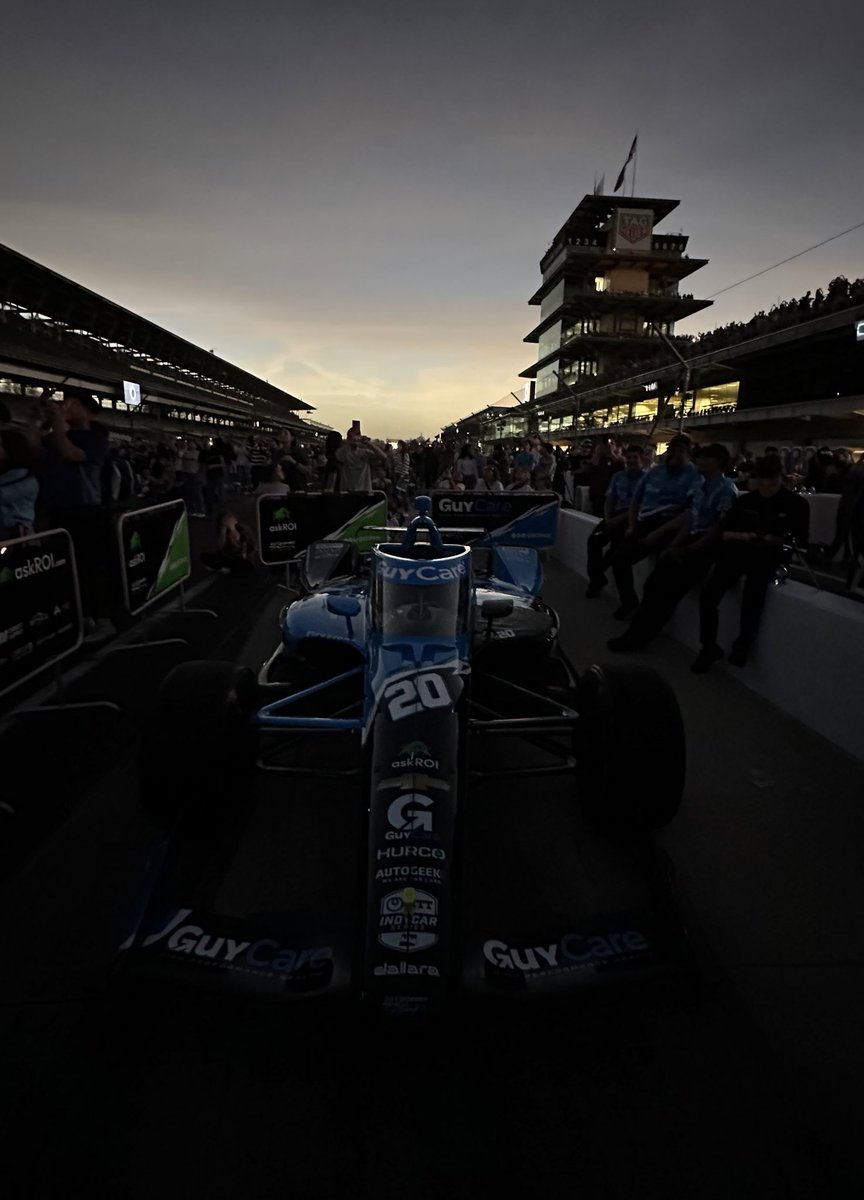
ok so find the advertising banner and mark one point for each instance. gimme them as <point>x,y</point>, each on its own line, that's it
<point>633,229</point>
<point>40,608</point>
<point>412,813</point>
<point>288,524</point>
<point>508,518</point>
<point>154,552</point>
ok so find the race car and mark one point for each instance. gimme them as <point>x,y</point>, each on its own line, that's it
<point>406,656</point>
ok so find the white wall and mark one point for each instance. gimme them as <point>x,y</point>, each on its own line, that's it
<point>809,657</point>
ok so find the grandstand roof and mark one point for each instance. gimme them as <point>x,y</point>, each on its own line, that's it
<point>37,291</point>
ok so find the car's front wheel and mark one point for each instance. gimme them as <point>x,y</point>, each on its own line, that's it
<point>630,749</point>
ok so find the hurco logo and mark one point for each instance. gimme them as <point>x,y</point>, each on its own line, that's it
<point>281,522</point>
<point>137,553</point>
<point>416,755</point>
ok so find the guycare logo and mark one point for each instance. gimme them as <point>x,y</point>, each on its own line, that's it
<point>180,936</point>
<point>408,921</point>
<point>411,813</point>
<point>572,951</point>
<point>428,572</point>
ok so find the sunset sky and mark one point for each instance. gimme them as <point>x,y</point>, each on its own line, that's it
<point>351,199</point>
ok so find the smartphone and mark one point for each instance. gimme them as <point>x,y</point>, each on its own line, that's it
<point>355,425</point>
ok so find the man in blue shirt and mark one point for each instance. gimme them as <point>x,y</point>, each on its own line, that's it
<point>612,528</point>
<point>687,559</point>
<point>660,496</point>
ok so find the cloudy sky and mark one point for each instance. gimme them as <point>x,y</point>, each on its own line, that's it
<point>351,199</point>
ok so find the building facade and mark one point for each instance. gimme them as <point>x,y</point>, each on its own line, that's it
<point>610,294</point>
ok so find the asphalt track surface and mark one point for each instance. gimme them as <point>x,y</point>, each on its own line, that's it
<point>741,1084</point>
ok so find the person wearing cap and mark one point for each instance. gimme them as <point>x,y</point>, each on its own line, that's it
<point>619,494</point>
<point>755,531</point>
<point>686,560</point>
<point>660,496</point>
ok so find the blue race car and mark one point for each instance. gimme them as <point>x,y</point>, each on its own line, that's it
<point>405,659</point>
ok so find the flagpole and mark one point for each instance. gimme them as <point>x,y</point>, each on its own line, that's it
<point>633,175</point>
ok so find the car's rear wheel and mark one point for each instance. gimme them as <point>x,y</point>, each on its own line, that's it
<point>630,749</point>
<point>198,749</point>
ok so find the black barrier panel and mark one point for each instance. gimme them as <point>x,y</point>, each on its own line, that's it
<point>508,518</point>
<point>154,552</point>
<point>288,524</point>
<point>40,607</point>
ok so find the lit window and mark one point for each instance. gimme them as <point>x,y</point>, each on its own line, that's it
<point>600,283</point>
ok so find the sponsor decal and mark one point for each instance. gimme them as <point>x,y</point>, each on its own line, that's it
<point>406,697</point>
<point>281,522</point>
<point>180,936</point>
<point>413,780</point>
<point>408,920</point>
<point>411,813</point>
<point>138,557</point>
<point>424,572</point>
<point>415,755</point>
<point>395,874</point>
<point>406,968</point>
<point>39,564</point>
<point>9,635</point>
<point>571,952</point>
<point>478,504</point>
<point>411,852</point>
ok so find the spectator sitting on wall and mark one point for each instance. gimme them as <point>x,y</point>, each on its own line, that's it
<point>19,487</point>
<point>616,511</point>
<point>660,496</point>
<point>688,557</point>
<point>757,528</point>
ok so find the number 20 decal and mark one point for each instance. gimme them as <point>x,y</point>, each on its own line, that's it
<point>410,696</point>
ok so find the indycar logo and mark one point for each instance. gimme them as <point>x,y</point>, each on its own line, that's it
<point>427,572</point>
<point>408,921</point>
<point>572,951</point>
<point>407,812</point>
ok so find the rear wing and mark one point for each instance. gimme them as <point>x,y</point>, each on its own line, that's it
<point>287,525</point>
<point>528,519</point>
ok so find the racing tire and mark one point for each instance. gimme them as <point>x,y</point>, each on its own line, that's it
<point>198,750</point>
<point>628,718</point>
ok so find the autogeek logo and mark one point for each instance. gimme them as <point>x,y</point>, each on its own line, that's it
<point>265,954</point>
